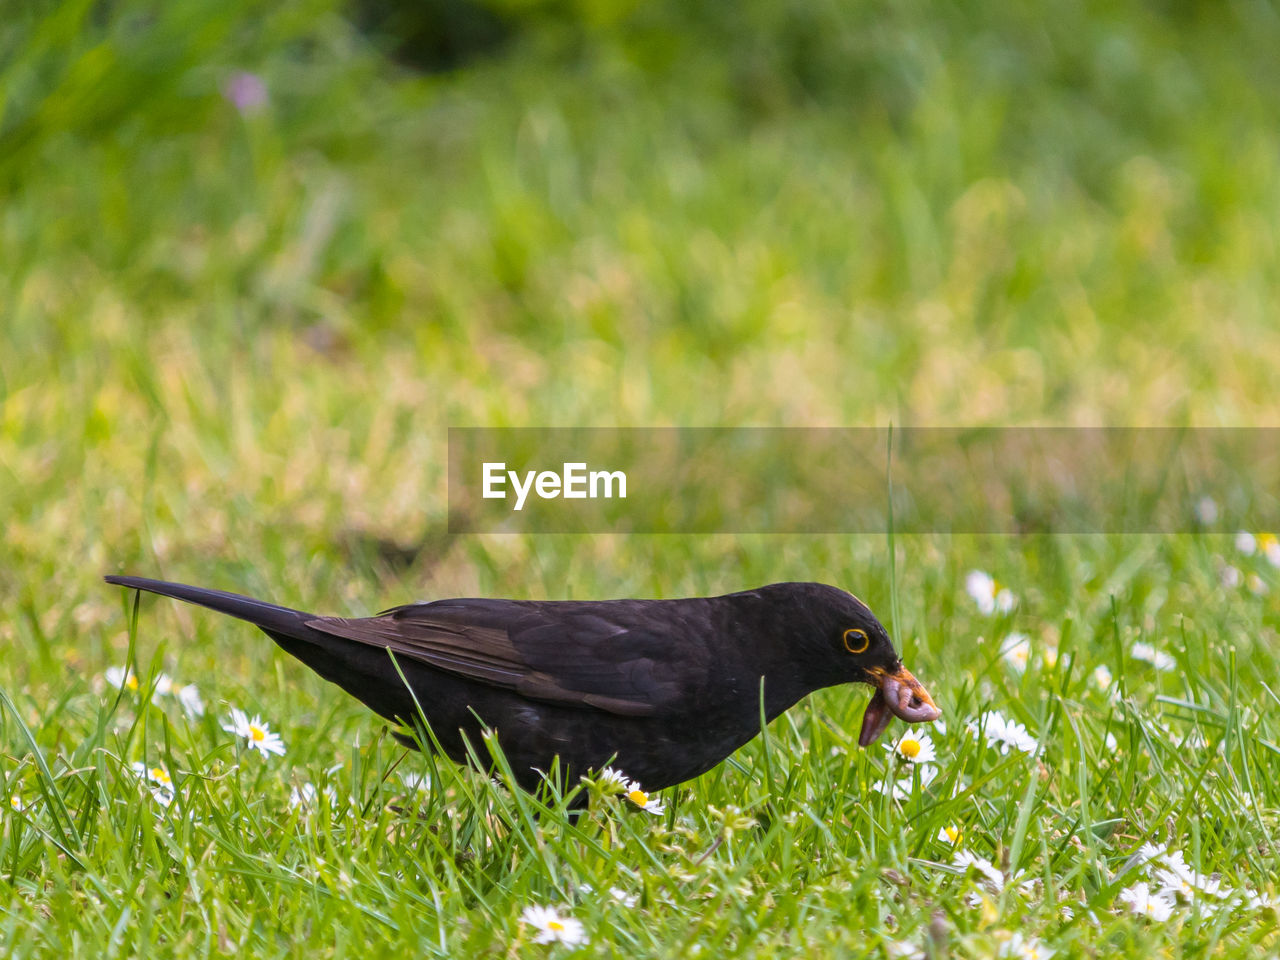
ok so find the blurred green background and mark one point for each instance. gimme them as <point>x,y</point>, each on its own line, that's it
<point>256,257</point>
<point>220,321</point>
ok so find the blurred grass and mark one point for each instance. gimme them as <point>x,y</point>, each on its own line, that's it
<point>232,343</point>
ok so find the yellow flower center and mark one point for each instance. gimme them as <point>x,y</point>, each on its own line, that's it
<point>555,925</point>
<point>953,834</point>
<point>909,748</point>
<point>158,775</point>
<point>1267,541</point>
<point>131,682</point>
<point>257,734</point>
<point>638,797</point>
<point>15,802</point>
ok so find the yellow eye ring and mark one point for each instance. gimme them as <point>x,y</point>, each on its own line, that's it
<point>856,640</point>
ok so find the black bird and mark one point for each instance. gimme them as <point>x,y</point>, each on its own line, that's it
<point>665,689</point>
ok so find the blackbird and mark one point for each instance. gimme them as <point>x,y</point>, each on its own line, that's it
<point>664,689</point>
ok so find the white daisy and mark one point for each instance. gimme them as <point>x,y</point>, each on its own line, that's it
<point>121,678</point>
<point>189,700</point>
<point>1269,544</point>
<point>991,876</point>
<point>1157,658</point>
<point>1176,872</point>
<point>901,787</point>
<point>645,801</point>
<point>1256,902</point>
<point>616,894</point>
<point>162,789</point>
<point>416,780</point>
<point>553,926</point>
<point>1008,734</point>
<point>1188,886</point>
<point>256,733</point>
<point>1145,854</point>
<point>1230,576</point>
<point>308,796</point>
<point>612,781</point>
<point>1246,543</point>
<point>1144,901</point>
<point>902,950</point>
<point>1025,948</point>
<point>987,593</point>
<point>914,748</point>
<point>951,834</point>
<point>1102,677</point>
<point>16,803</point>
<point>1016,651</point>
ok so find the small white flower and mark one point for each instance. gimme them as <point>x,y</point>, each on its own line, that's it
<point>255,732</point>
<point>1008,734</point>
<point>1145,854</point>
<point>1142,900</point>
<point>1102,677</point>
<point>1257,586</point>
<point>1246,543</point>
<point>307,796</point>
<point>553,926</point>
<point>1024,948</point>
<point>951,834</point>
<point>1269,544</point>
<point>1188,884</point>
<point>914,748</point>
<point>1177,868</point>
<point>16,803</point>
<point>612,781</point>
<point>1230,576</point>
<point>991,876</point>
<point>901,787</point>
<point>1157,658</point>
<point>162,790</point>
<point>189,700</point>
<point>121,678</point>
<point>645,801</point>
<point>616,894</point>
<point>1112,744</point>
<point>902,950</point>
<point>1256,902</point>
<point>1016,651</point>
<point>416,780</point>
<point>987,593</point>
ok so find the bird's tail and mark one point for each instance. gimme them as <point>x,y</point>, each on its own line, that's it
<point>268,616</point>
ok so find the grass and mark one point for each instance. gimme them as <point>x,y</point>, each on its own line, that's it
<point>233,344</point>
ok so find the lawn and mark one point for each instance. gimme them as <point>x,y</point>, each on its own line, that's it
<point>255,264</point>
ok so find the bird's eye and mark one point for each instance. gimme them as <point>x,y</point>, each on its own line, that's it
<point>856,640</point>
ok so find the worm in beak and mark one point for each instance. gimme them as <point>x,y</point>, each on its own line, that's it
<point>899,694</point>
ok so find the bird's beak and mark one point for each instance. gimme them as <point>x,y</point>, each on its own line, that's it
<point>899,694</point>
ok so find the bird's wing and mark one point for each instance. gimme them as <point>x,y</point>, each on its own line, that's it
<point>570,653</point>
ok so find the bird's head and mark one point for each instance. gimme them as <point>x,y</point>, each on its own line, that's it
<point>855,647</point>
